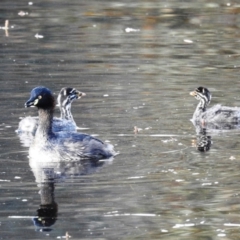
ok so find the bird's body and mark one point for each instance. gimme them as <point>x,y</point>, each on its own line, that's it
<point>217,114</point>
<point>65,145</point>
<point>221,114</point>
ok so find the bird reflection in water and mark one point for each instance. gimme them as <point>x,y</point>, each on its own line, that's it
<point>46,177</point>
<point>215,120</point>
<point>204,131</point>
<point>203,141</point>
<point>48,209</point>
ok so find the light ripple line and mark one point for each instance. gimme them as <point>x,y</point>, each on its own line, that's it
<point>232,224</point>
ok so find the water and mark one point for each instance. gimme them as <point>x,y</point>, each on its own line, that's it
<point>137,63</point>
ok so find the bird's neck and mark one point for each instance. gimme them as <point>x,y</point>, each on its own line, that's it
<point>201,107</point>
<point>44,130</point>
<point>47,192</point>
<point>66,112</point>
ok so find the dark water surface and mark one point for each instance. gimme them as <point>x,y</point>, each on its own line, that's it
<point>137,63</point>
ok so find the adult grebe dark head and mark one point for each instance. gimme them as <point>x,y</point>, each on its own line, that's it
<point>41,97</point>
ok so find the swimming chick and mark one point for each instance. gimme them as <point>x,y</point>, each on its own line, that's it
<point>215,114</point>
<point>61,146</point>
<point>65,123</point>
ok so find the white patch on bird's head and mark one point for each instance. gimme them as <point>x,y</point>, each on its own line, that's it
<point>37,100</point>
<point>73,91</point>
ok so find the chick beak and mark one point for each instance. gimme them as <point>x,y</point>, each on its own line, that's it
<point>193,93</point>
<point>80,94</point>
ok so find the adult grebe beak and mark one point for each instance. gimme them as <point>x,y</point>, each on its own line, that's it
<point>32,102</point>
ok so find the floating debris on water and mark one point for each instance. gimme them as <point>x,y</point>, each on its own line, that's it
<point>22,13</point>
<point>6,27</point>
<point>38,36</point>
<point>136,129</point>
<point>128,30</point>
<point>184,225</point>
<point>179,180</point>
<point>188,41</point>
<point>137,177</point>
<point>4,180</point>
<point>67,236</point>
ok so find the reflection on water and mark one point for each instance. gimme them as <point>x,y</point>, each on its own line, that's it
<point>203,141</point>
<point>137,63</point>
<point>46,175</point>
<point>47,212</point>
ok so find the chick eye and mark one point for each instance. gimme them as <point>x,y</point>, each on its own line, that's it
<point>73,91</point>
